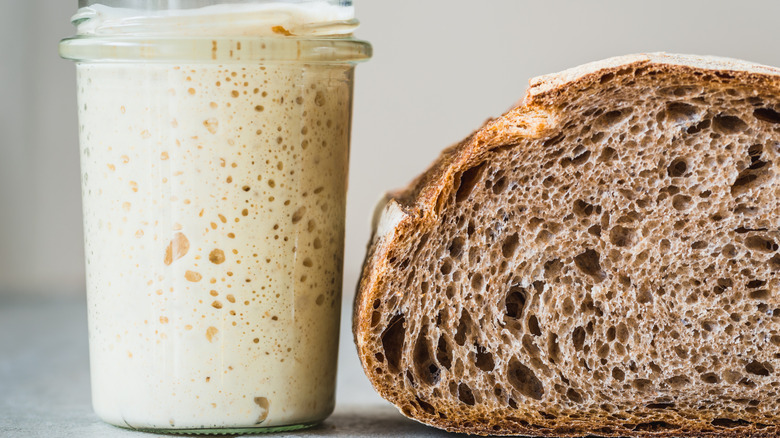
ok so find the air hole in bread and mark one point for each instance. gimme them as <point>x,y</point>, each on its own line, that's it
<point>524,380</point>
<point>514,303</point>
<point>582,208</point>
<point>444,353</point>
<point>752,284</point>
<point>465,394</point>
<point>711,378</point>
<point>709,326</point>
<point>662,405</point>
<point>606,78</point>
<point>446,267</point>
<point>607,154</point>
<point>642,385</point>
<point>499,186</point>
<point>618,374</point>
<point>681,202</point>
<point>470,228</point>
<point>589,263</point>
<point>612,118</point>
<point>427,407</point>
<point>728,124</point>
<point>758,368</point>
<point>509,246</point>
<point>574,396</point>
<point>747,382</point>
<point>729,423</point>
<point>699,244</point>
<point>424,366</point>
<point>679,90</point>
<point>567,308</point>
<point>757,164</point>
<point>393,342</point>
<point>622,236</point>
<point>729,251</point>
<point>680,112</point>
<point>767,115</point>
<point>464,327</point>
<point>578,338</point>
<point>755,152</point>
<point>483,359</point>
<point>678,167</point>
<point>391,303</point>
<point>678,381</point>
<point>456,247</point>
<point>754,176</point>
<point>761,244</point>
<point>553,350</point>
<point>603,351</point>
<point>611,334</point>
<point>701,126</point>
<point>410,378</point>
<point>579,156</point>
<point>553,140</point>
<point>533,326</point>
<point>449,291</point>
<point>467,181</point>
<point>552,268</point>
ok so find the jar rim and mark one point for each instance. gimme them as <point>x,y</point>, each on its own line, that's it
<point>189,4</point>
<point>220,50</point>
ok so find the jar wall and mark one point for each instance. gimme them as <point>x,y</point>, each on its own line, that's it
<point>214,200</point>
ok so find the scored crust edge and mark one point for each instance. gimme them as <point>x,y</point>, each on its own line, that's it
<point>532,118</point>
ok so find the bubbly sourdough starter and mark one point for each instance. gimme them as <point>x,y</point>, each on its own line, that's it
<point>214,199</point>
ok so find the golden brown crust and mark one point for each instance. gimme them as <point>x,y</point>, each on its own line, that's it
<point>534,118</point>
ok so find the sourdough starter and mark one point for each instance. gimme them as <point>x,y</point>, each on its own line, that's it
<point>214,197</point>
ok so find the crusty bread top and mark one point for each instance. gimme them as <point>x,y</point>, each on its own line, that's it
<point>537,119</point>
<point>531,118</point>
<point>544,86</point>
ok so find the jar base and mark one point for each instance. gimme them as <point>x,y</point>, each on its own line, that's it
<point>227,431</point>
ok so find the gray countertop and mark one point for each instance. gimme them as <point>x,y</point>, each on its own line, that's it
<point>44,380</point>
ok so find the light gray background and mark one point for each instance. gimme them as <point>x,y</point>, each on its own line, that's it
<point>441,67</point>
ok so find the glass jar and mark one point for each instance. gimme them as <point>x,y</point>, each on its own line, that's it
<point>214,140</point>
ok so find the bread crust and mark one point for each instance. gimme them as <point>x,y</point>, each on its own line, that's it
<point>535,117</point>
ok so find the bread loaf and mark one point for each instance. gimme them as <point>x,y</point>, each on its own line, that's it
<point>602,259</point>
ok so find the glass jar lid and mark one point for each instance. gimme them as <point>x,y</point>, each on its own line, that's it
<point>303,18</point>
<point>157,5</point>
<point>166,30</point>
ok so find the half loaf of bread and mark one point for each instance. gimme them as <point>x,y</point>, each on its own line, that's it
<point>602,259</point>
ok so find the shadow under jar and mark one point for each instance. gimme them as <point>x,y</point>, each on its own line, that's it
<point>214,143</point>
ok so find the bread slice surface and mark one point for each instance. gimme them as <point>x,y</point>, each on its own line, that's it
<point>600,260</point>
